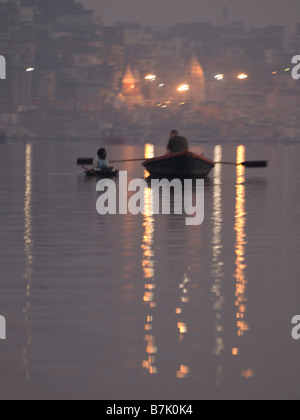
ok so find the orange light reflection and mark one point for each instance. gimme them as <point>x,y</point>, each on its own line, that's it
<point>149,273</point>
<point>183,372</point>
<point>240,225</point>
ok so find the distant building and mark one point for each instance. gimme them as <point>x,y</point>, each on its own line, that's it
<point>130,84</point>
<point>196,80</point>
<point>131,88</point>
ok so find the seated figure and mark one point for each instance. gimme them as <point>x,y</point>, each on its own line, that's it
<point>177,144</point>
<point>101,161</point>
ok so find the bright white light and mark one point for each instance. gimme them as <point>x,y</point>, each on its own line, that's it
<point>161,85</point>
<point>183,88</point>
<point>242,76</point>
<point>219,76</point>
<point>30,69</point>
<point>151,77</point>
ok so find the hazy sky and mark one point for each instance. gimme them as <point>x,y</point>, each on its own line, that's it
<point>164,13</point>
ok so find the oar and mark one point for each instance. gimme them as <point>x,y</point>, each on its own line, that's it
<point>85,161</point>
<point>89,161</point>
<point>127,160</point>
<point>88,170</point>
<point>247,164</point>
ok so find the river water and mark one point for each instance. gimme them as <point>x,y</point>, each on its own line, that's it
<point>145,307</point>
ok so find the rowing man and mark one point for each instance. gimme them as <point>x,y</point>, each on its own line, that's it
<point>177,143</point>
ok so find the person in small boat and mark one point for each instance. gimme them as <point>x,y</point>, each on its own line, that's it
<point>177,143</point>
<point>101,162</point>
<point>174,133</point>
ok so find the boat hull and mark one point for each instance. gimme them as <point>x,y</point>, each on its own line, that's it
<point>179,165</point>
<point>102,174</point>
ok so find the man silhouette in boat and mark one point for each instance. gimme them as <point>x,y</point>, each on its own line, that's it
<point>101,161</point>
<point>177,143</point>
<point>101,165</point>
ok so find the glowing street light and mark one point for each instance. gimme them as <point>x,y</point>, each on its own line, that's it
<point>30,69</point>
<point>151,77</point>
<point>219,76</point>
<point>242,76</point>
<point>183,88</point>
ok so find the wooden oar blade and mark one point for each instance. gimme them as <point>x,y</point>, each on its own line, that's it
<point>85,161</point>
<point>256,164</point>
<point>89,161</point>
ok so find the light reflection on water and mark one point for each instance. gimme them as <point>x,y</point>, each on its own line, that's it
<point>28,244</point>
<point>240,250</point>
<point>148,264</point>
<point>144,306</point>
<point>240,226</point>
<point>217,263</point>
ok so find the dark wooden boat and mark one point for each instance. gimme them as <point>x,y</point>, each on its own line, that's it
<point>179,165</point>
<point>103,173</point>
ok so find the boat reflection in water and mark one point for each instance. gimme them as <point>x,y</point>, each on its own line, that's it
<point>149,273</point>
<point>150,286</point>
<point>28,244</point>
<point>217,269</point>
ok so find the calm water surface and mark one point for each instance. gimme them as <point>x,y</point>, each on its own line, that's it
<point>145,307</point>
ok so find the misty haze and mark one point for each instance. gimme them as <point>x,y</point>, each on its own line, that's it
<point>147,307</point>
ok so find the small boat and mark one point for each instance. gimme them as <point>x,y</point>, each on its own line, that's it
<point>102,173</point>
<point>179,165</point>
